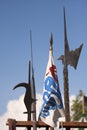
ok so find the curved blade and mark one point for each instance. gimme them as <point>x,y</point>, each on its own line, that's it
<point>21,85</point>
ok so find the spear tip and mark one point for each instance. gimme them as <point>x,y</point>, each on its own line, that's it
<point>51,41</point>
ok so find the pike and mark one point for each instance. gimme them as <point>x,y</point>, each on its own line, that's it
<point>28,100</point>
<point>30,94</point>
<point>33,107</point>
<point>69,58</point>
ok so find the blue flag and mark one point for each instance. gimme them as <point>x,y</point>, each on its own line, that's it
<point>52,107</point>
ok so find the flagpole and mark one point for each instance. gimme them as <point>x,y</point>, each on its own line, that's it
<point>51,49</point>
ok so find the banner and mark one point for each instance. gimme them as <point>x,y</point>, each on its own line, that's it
<point>52,107</point>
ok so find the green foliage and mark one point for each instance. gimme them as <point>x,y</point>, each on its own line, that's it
<point>77,108</point>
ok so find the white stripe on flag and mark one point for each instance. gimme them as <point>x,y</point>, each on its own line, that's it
<point>52,107</point>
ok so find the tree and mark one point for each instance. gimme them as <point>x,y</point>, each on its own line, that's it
<point>77,107</point>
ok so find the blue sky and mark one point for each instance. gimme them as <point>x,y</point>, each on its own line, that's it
<point>17,18</point>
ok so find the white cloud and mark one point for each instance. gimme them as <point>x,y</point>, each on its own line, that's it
<point>15,109</point>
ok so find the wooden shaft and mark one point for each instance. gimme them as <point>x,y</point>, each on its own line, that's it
<point>51,128</point>
<point>12,124</point>
<point>66,94</point>
<point>83,104</point>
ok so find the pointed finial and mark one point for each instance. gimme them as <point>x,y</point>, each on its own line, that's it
<point>51,41</point>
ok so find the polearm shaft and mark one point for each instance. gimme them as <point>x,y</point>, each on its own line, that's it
<point>33,88</point>
<point>65,73</point>
<point>69,58</point>
<point>29,83</point>
<point>66,93</point>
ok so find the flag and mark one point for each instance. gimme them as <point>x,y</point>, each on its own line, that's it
<point>52,107</point>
